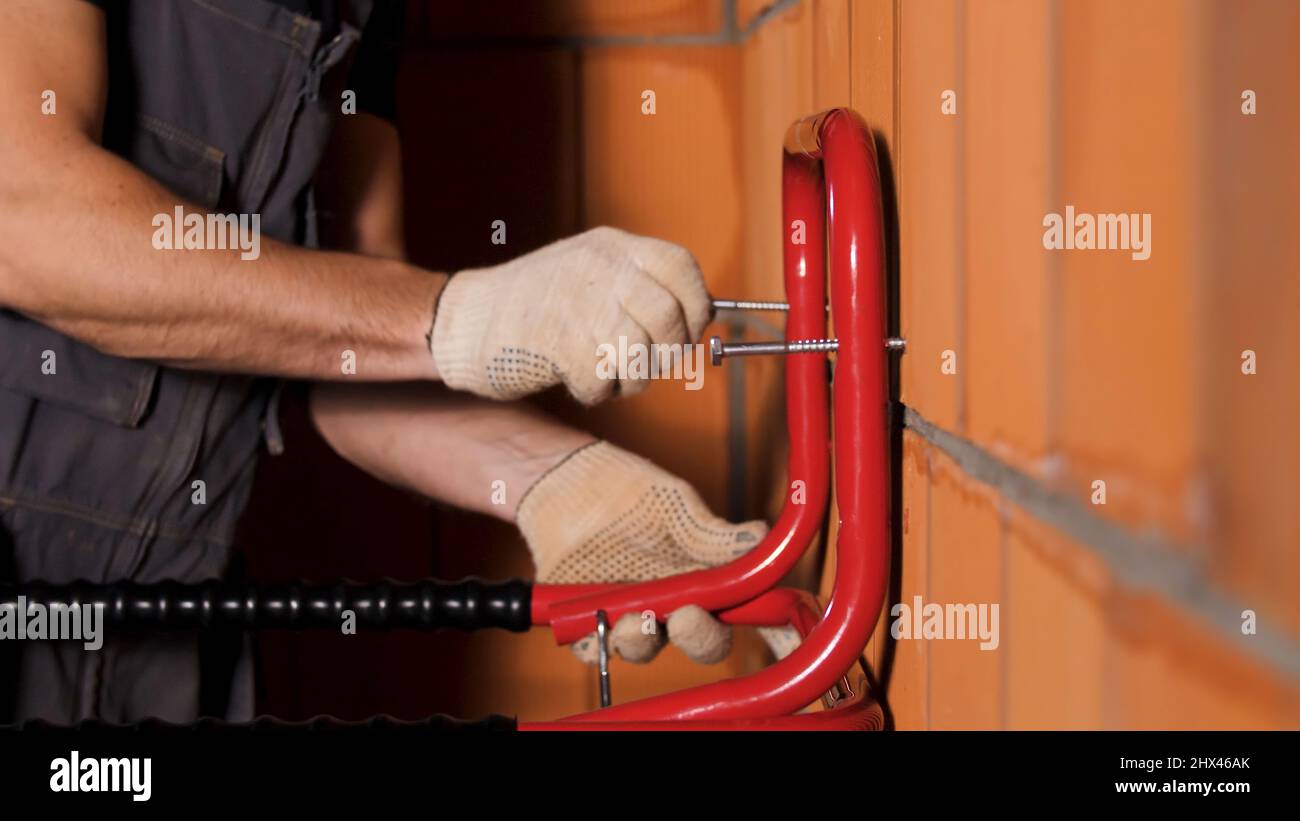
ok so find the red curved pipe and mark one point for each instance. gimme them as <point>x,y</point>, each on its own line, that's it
<point>570,609</point>
<point>856,713</point>
<point>777,607</point>
<point>844,145</point>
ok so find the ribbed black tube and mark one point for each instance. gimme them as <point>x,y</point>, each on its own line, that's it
<point>271,725</point>
<point>469,604</point>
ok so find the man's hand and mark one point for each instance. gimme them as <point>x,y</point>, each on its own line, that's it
<point>589,511</point>
<point>539,320</point>
<point>606,515</point>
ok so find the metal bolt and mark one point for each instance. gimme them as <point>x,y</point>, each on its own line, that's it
<point>752,305</point>
<point>602,657</point>
<point>749,305</point>
<point>718,350</point>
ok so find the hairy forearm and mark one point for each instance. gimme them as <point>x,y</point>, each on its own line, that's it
<point>468,452</point>
<point>76,253</point>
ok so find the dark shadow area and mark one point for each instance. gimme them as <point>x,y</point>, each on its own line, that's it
<point>9,650</point>
<point>487,134</point>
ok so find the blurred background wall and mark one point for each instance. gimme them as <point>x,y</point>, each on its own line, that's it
<point>1067,367</point>
<point>1074,367</point>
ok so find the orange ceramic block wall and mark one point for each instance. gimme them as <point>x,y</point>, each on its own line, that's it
<point>1077,367</point>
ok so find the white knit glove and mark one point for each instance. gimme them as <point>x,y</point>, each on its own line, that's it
<point>606,515</point>
<point>539,320</point>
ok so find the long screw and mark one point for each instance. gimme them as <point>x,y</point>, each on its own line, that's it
<point>719,350</point>
<point>749,305</point>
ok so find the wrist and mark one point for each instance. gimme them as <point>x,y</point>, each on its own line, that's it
<point>462,310</point>
<point>404,314</point>
<point>579,494</point>
<point>536,460</point>
<point>547,470</point>
<point>440,290</point>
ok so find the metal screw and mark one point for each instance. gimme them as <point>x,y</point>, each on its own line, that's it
<point>602,656</point>
<point>749,305</point>
<point>718,350</point>
<point>752,305</point>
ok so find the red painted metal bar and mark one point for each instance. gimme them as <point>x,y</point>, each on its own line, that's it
<point>804,510</point>
<point>779,607</point>
<point>856,713</point>
<point>843,144</point>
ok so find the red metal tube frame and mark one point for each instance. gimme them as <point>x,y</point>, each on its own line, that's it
<point>570,610</point>
<point>838,147</point>
<point>852,710</point>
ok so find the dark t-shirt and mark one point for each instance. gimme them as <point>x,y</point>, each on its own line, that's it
<point>373,74</point>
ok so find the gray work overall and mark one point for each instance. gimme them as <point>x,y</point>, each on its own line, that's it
<point>228,104</point>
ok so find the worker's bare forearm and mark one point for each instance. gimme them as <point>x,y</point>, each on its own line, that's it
<point>469,452</point>
<point>77,253</point>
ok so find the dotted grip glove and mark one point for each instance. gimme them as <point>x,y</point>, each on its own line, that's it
<point>539,320</point>
<point>606,515</point>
